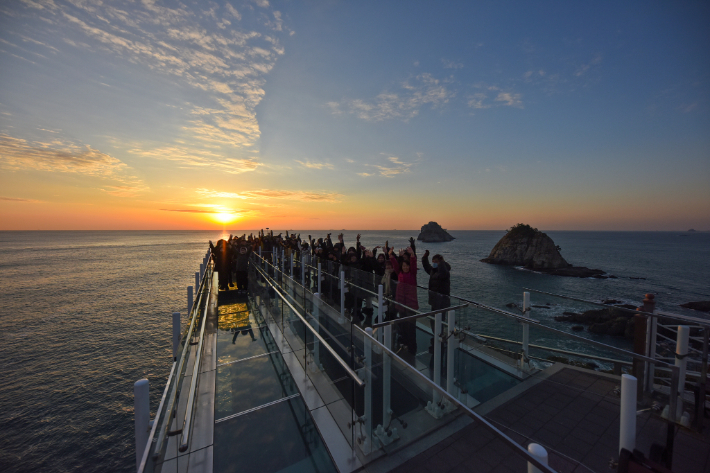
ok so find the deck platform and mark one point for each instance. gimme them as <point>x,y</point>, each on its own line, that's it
<point>574,413</point>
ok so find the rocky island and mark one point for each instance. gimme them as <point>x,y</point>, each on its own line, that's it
<point>526,246</point>
<point>433,233</point>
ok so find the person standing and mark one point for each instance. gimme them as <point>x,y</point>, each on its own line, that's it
<point>439,272</point>
<point>406,294</point>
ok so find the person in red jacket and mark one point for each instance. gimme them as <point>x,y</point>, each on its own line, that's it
<point>406,295</point>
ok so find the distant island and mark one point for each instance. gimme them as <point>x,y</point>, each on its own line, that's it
<point>526,246</point>
<point>433,233</point>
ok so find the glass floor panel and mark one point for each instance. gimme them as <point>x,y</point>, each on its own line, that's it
<point>241,342</point>
<point>251,383</point>
<point>482,381</point>
<point>279,438</point>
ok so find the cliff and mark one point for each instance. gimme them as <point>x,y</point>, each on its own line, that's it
<point>526,246</point>
<point>433,233</point>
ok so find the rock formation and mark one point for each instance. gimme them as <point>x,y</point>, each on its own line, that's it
<point>526,246</point>
<point>703,306</point>
<point>433,233</point>
<point>603,321</point>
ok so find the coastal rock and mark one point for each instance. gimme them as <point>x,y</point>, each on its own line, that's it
<point>433,233</point>
<point>526,246</point>
<point>703,306</point>
<point>609,321</point>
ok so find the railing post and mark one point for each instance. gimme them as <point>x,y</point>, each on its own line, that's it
<point>283,262</point>
<point>649,305</point>
<point>700,395</point>
<point>319,273</point>
<point>189,300</point>
<point>539,452</point>
<point>524,363</point>
<point>367,441</point>
<point>651,372</point>
<point>450,352</point>
<point>315,323</point>
<point>640,339</point>
<point>197,281</point>
<point>303,270</point>
<point>386,375</point>
<point>202,271</point>
<point>681,351</point>
<point>292,257</point>
<point>380,309</point>
<point>437,355</point>
<point>627,421</point>
<point>141,414</point>
<point>342,297</point>
<point>176,334</point>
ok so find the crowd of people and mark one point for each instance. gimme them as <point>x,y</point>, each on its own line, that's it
<point>395,270</point>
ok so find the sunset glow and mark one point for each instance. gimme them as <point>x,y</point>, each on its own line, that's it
<point>225,218</point>
<point>369,115</point>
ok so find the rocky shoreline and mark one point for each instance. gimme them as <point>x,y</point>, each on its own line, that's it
<point>702,306</point>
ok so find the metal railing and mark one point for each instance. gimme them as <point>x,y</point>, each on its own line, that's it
<point>167,411</point>
<point>187,424</point>
<point>343,364</point>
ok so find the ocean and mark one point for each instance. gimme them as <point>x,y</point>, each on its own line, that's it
<point>86,314</point>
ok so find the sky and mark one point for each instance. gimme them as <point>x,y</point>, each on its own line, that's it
<point>360,115</point>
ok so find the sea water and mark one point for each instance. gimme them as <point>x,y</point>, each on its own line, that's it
<point>86,314</point>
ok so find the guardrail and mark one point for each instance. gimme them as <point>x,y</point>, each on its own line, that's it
<point>153,449</point>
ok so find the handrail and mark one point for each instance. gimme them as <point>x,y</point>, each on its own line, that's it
<point>171,399</point>
<point>417,316</point>
<point>556,350</point>
<point>477,417</point>
<point>686,318</point>
<point>187,424</point>
<point>330,349</point>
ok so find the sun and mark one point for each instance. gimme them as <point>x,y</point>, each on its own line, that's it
<point>225,217</point>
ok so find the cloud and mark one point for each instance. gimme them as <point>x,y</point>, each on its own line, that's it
<point>17,199</point>
<point>57,156</point>
<point>208,51</point>
<point>194,211</point>
<point>451,64</point>
<point>398,167</point>
<point>311,165</point>
<point>124,191</point>
<point>304,196</point>
<point>191,155</point>
<point>509,99</point>
<point>584,68</point>
<point>492,96</point>
<point>405,103</point>
<point>226,195</point>
<point>232,11</point>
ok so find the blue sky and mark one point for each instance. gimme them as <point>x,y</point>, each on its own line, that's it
<point>564,115</point>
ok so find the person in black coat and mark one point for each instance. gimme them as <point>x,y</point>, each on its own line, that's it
<point>439,272</point>
<point>439,280</point>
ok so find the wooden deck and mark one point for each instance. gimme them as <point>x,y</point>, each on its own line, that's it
<point>574,414</point>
